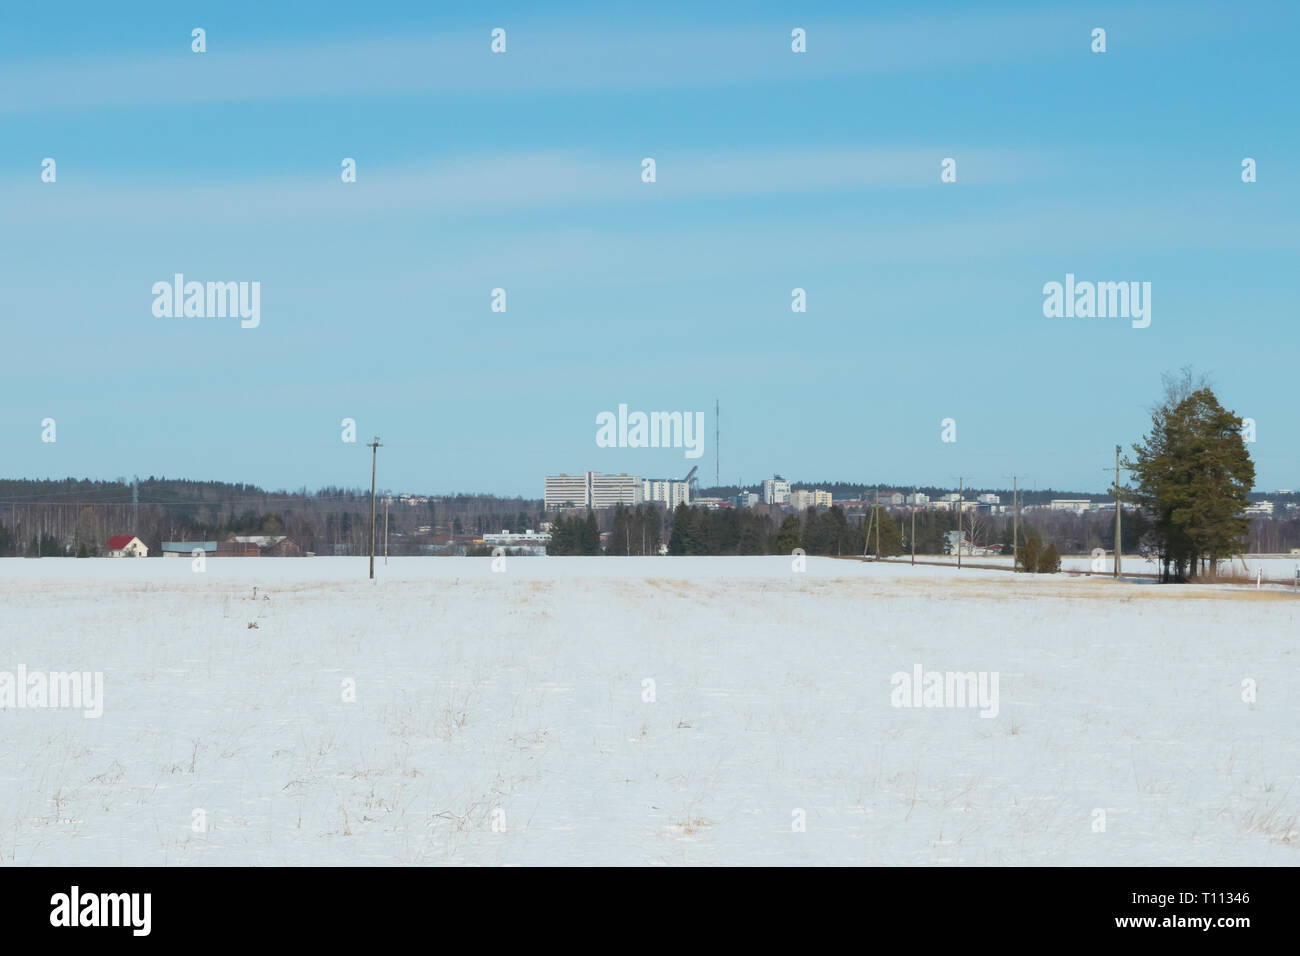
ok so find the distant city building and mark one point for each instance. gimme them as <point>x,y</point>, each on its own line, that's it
<point>951,496</point>
<point>1077,505</point>
<point>1260,508</point>
<point>610,490</point>
<point>892,499</point>
<point>989,499</point>
<point>776,491</point>
<point>568,491</point>
<point>670,491</point>
<point>746,499</point>
<point>920,498</point>
<point>713,503</point>
<point>592,490</point>
<point>801,500</point>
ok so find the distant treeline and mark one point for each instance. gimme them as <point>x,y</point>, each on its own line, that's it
<point>50,518</point>
<point>691,530</point>
<point>73,516</point>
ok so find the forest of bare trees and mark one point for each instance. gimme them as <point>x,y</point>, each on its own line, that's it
<point>62,517</point>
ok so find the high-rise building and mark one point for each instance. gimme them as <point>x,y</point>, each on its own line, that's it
<point>776,490</point>
<point>610,490</point>
<point>670,491</point>
<point>592,490</point>
<point>801,500</point>
<point>568,491</point>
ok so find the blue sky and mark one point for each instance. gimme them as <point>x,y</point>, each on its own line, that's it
<point>775,170</point>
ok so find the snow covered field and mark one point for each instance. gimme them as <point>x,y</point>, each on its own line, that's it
<point>1277,568</point>
<point>502,717</point>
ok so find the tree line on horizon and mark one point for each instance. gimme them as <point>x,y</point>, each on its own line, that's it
<point>74,517</point>
<point>1192,479</point>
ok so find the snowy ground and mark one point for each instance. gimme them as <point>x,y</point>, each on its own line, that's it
<point>516,698</point>
<point>1278,568</point>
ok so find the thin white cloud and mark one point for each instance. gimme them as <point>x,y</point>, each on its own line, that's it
<point>542,57</point>
<point>513,183</point>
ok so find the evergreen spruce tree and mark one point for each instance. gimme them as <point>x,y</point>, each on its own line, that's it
<point>590,535</point>
<point>1193,477</point>
<point>681,521</point>
<point>788,537</point>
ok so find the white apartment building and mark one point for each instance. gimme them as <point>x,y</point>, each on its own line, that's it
<point>776,491</point>
<point>563,491</point>
<point>1077,505</point>
<point>592,490</point>
<point>989,499</point>
<point>920,498</point>
<point>670,491</point>
<point>801,500</point>
<point>610,490</point>
<point>822,499</point>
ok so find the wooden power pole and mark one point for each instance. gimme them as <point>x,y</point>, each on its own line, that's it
<point>879,521</point>
<point>960,489</point>
<point>1119,539</point>
<point>1015,525</point>
<point>374,454</point>
<point>914,524</point>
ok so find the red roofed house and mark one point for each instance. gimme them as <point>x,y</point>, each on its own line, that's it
<point>126,546</point>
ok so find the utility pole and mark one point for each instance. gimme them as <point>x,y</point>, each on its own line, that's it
<point>960,489</point>
<point>387,500</point>
<point>374,447</point>
<point>1119,539</point>
<point>1015,524</point>
<point>914,524</point>
<point>1015,520</point>
<point>135,505</point>
<point>879,521</point>
<point>866,538</point>
<point>717,444</point>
